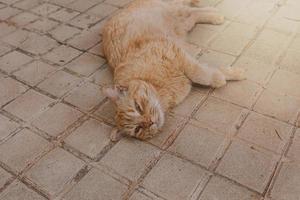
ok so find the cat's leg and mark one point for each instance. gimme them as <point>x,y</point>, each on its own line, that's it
<point>210,76</point>
<point>194,16</point>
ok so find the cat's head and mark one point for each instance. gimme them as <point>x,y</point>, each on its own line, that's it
<point>138,110</point>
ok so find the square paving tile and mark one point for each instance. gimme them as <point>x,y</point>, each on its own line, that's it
<point>23,18</point>
<point>55,120</point>
<point>19,191</point>
<point>103,76</point>
<point>5,29</point>
<point>97,50</point>
<point>42,25</point>
<point>295,147</point>
<point>107,112</point>
<point>201,35</point>
<point>130,158</point>
<point>233,32</point>
<point>34,72</point>
<point>243,93</point>
<point>27,4</point>
<point>4,177</point>
<point>62,54</point>
<point>90,138</point>
<point>64,14</point>
<point>84,20</point>
<point>82,6</point>
<point>282,81</point>
<point>29,105</point>
<point>256,13</point>
<point>281,24</point>
<point>266,47</point>
<point>255,70</point>
<point>8,12</point>
<point>13,61</point>
<point>10,89</point>
<point>248,165</point>
<point>216,59</point>
<point>173,178</point>
<point>219,115</point>
<point>9,2</point>
<point>97,184</point>
<point>282,107</point>
<point>86,96</point>
<point>85,40</point>
<point>20,150</point>
<point>37,44</point>
<point>59,83</point>
<point>189,104</point>
<point>198,144</point>
<point>5,48</point>
<point>171,126</point>
<point>6,126</point>
<point>86,64</point>
<point>220,188</point>
<point>265,132</point>
<point>55,170</point>
<point>289,62</point>
<point>64,32</point>
<point>287,183</point>
<point>139,196</point>
<point>102,10</point>
<point>17,38</point>
<point>119,3</point>
<point>45,9</point>
<point>62,2</point>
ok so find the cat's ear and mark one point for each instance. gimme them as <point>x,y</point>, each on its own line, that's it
<point>114,92</point>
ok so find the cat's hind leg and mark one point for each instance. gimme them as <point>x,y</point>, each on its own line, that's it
<point>188,17</point>
<point>210,76</point>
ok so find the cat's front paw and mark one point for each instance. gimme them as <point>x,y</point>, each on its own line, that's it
<point>238,74</point>
<point>233,74</point>
<point>218,79</point>
<point>218,19</point>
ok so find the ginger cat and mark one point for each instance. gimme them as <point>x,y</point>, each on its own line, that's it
<point>145,46</point>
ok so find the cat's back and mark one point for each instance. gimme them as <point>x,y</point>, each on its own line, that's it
<point>142,18</point>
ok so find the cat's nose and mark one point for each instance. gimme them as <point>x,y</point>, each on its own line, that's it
<point>146,124</point>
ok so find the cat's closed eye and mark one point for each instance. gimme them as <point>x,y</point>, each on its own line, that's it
<point>137,129</point>
<point>138,108</point>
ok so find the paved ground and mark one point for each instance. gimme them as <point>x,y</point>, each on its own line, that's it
<point>240,142</point>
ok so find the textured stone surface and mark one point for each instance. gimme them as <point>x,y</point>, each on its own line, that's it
<point>219,115</point>
<point>29,105</point>
<point>265,132</point>
<point>59,83</point>
<point>55,120</point>
<point>20,151</point>
<point>238,142</point>
<point>90,138</point>
<point>97,184</point>
<point>219,188</point>
<point>19,191</point>
<point>243,93</point>
<point>45,172</point>
<point>86,96</point>
<point>10,89</point>
<point>198,144</point>
<point>247,165</point>
<point>163,181</point>
<point>130,158</point>
<point>6,126</point>
<point>286,186</point>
